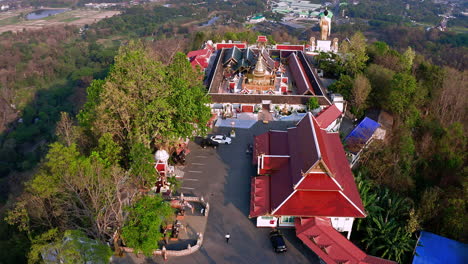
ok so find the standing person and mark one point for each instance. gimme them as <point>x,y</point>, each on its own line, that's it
<point>227,236</point>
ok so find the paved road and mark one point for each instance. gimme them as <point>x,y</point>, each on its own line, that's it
<point>222,177</point>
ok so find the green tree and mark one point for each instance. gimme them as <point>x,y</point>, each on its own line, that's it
<point>142,229</point>
<point>355,56</point>
<point>407,59</point>
<point>343,86</point>
<point>108,150</point>
<point>142,164</point>
<point>39,243</point>
<point>189,99</point>
<point>312,103</point>
<point>133,105</point>
<point>88,114</point>
<point>403,88</point>
<point>380,79</point>
<point>143,101</point>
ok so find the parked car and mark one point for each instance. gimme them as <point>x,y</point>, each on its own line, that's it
<point>207,142</point>
<point>277,241</point>
<point>221,139</point>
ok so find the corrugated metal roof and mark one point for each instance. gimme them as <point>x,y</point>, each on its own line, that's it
<point>435,249</point>
<point>360,135</point>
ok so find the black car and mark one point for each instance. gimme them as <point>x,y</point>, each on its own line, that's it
<point>277,241</point>
<point>206,142</point>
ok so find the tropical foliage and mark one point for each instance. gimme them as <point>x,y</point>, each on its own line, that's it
<point>418,174</point>
<point>384,231</point>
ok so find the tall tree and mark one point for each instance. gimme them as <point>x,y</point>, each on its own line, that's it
<point>188,98</point>
<point>133,106</point>
<point>74,192</point>
<point>355,56</point>
<point>360,92</point>
<point>142,101</point>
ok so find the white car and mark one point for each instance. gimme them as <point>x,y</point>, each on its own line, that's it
<point>221,139</point>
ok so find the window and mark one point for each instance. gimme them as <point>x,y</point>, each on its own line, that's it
<point>346,219</point>
<point>267,217</point>
<point>287,219</point>
<point>336,218</point>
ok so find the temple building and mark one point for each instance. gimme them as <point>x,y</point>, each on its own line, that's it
<point>304,181</point>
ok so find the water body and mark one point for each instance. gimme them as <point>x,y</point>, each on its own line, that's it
<point>211,21</point>
<point>38,14</point>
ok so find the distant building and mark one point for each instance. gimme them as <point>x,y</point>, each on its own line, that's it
<point>360,137</point>
<point>257,19</point>
<point>201,58</point>
<point>250,78</point>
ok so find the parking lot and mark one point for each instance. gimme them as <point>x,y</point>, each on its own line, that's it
<point>222,177</point>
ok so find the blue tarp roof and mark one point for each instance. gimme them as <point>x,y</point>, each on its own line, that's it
<point>360,135</point>
<point>434,249</point>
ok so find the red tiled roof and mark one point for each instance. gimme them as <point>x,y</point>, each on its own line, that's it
<point>202,52</point>
<point>279,143</point>
<point>261,146</point>
<point>303,150</point>
<point>290,47</point>
<point>331,193</point>
<point>200,62</point>
<point>273,163</point>
<point>316,203</point>
<point>259,196</point>
<point>262,39</point>
<point>280,186</point>
<point>327,116</point>
<point>335,159</point>
<point>230,45</point>
<point>318,234</point>
<point>298,72</point>
<point>318,181</point>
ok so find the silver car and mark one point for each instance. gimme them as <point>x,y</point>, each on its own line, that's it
<point>221,139</point>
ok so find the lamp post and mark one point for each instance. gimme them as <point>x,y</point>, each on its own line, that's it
<point>233,132</point>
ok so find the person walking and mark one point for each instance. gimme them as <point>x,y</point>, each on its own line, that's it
<point>227,236</point>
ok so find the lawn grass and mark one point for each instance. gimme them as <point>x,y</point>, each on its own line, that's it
<point>70,19</point>
<point>10,20</point>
